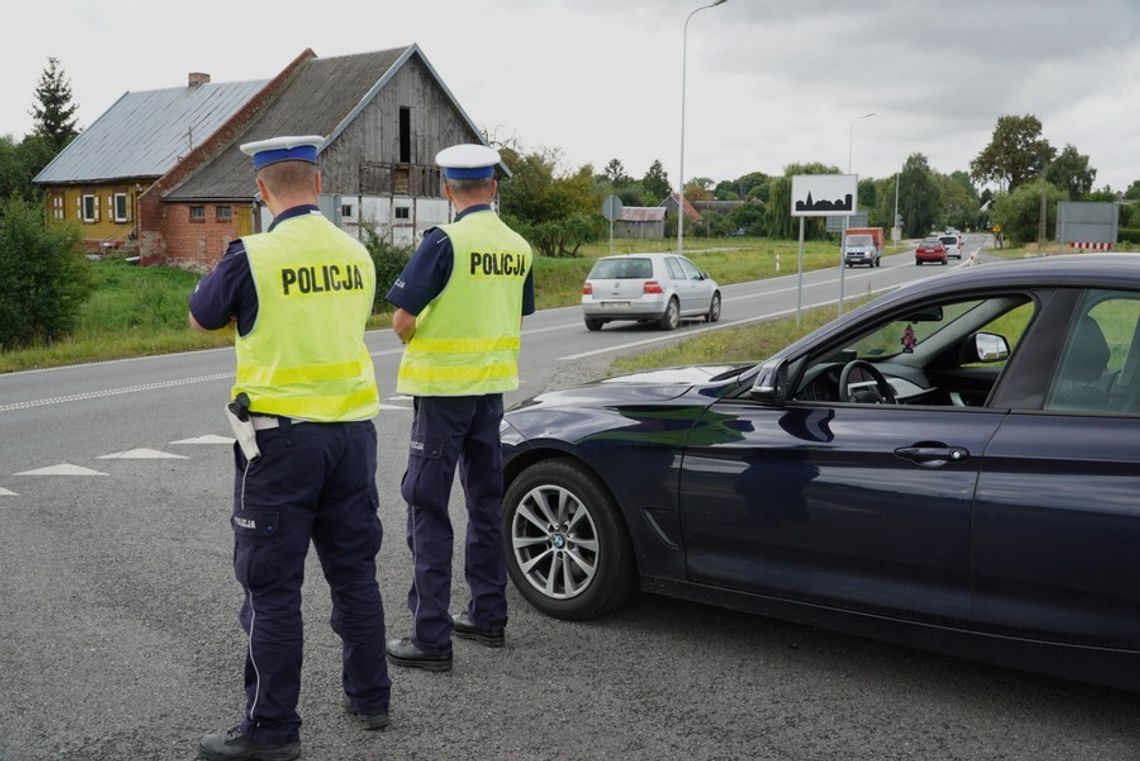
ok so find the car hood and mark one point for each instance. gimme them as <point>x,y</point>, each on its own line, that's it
<point>649,386</point>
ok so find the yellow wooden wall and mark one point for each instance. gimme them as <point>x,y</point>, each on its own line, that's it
<point>65,203</point>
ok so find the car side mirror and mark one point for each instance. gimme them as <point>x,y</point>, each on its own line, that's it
<point>771,382</point>
<point>991,347</point>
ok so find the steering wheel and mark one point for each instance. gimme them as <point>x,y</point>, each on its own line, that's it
<point>858,371</point>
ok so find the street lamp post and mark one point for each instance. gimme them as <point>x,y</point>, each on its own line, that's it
<point>843,235</point>
<point>681,173</point>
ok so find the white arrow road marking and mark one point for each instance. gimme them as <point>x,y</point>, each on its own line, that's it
<point>5,493</point>
<point>142,454</point>
<point>64,469</point>
<point>209,438</point>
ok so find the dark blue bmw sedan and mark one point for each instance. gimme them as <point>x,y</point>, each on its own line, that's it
<point>954,466</point>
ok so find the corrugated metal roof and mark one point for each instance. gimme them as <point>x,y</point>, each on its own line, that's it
<point>315,102</point>
<point>642,213</point>
<point>144,133</point>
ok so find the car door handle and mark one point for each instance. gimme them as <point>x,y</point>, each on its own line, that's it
<point>933,456</point>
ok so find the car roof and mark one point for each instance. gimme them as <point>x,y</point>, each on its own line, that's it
<point>1119,271</point>
<point>651,255</point>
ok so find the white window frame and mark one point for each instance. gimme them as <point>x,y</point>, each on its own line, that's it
<point>125,216</point>
<point>83,210</point>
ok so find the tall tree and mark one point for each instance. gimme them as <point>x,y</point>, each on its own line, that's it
<point>53,111</point>
<point>1071,172</point>
<point>1015,154</point>
<point>656,181</point>
<point>1133,192</point>
<point>919,196</point>
<point>615,173</point>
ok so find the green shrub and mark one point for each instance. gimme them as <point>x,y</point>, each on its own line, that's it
<point>44,277</point>
<point>1128,235</point>
<point>389,259</point>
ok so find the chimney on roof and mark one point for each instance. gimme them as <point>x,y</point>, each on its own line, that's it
<point>197,79</point>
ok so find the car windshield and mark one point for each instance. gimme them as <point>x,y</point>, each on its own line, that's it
<point>624,268</point>
<point>888,340</point>
<point>858,240</point>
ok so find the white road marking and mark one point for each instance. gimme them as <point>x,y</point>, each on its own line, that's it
<point>64,469</point>
<point>395,407</point>
<point>400,398</point>
<point>114,392</point>
<point>142,454</point>
<point>209,438</point>
<point>6,493</point>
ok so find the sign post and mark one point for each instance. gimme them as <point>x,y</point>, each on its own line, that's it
<point>823,195</point>
<point>611,210</point>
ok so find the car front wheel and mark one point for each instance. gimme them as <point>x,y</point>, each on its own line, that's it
<point>713,314</point>
<point>672,317</point>
<point>568,551</point>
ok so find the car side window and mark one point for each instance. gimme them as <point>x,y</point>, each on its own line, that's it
<point>674,267</point>
<point>1100,361</point>
<point>691,271</point>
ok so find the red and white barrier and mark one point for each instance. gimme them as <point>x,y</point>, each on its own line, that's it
<point>1091,246</point>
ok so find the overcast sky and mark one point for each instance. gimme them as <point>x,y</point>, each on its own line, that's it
<point>770,82</point>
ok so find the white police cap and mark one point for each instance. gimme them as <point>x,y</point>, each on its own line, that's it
<point>286,148</point>
<point>468,161</point>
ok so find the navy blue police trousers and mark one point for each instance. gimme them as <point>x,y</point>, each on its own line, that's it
<point>446,431</point>
<point>313,482</point>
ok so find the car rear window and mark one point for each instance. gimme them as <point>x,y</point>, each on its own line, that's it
<point>949,240</point>
<point>626,268</point>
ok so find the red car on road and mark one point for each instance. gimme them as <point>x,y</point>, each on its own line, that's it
<point>930,250</point>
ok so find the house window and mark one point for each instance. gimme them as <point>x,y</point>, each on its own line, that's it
<point>405,134</point>
<point>223,213</point>
<point>90,208</point>
<point>120,207</point>
<point>403,212</point>
<point>57,207</point>
<point>197,213</point>
<point>346,210</point>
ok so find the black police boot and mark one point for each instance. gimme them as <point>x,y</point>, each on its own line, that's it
<point>234,746</point>
<point>403,652</point>
<point>463,627</point>
<point>377,720</point>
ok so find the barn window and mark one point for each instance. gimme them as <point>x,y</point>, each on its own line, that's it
<point>197,213</point>
<point>405,134</point>
<point>403,212</point>
<point>90,208</point>
<point>346,210</point>
<point>223,213</point>
<point>120,207</point>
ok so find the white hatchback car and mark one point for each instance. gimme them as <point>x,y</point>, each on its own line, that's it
<point>953,244</point>
<point>664,288</point>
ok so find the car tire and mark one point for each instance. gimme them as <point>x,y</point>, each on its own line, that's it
<point>917,262</point>
<point>944,260</point>
<point>601,576</point>
<point>714,309</point>
<point>878,262</point>
<point>672,317</point>
<point>593,323</point>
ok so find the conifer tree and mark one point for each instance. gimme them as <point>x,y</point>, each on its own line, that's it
<point>53,111</point>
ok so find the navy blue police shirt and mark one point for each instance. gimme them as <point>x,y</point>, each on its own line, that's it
<point>426,274</point>
<point>228,292</point>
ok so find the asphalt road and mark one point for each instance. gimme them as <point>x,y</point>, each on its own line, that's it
<point>119,638</point>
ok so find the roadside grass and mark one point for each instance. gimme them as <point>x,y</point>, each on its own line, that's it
<point>141,311</point>
<point>745,344</point>
<point>558,281</point>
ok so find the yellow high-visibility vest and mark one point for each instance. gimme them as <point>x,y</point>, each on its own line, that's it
<point>467,339</point>
<point>305,357</point>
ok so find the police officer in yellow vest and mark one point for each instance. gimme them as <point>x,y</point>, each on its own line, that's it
<point>305,393</point>
<point>460,303</point>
